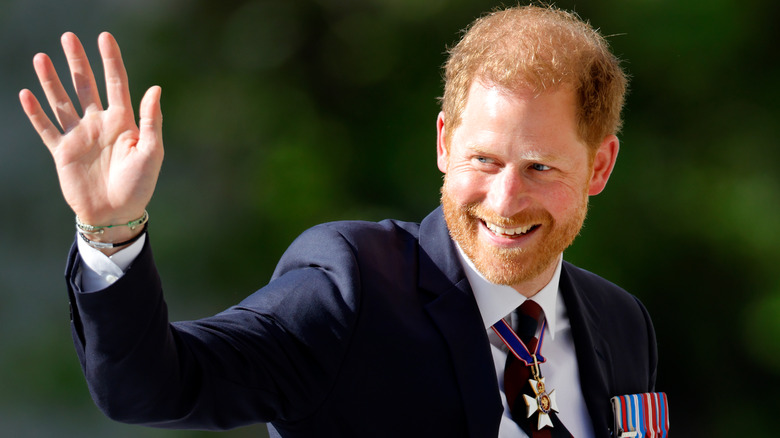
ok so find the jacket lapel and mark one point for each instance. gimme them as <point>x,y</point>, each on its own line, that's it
<point>593,354</point>
<point>455,312</point>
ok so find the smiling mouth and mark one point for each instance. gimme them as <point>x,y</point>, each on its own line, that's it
<point>510,232</point>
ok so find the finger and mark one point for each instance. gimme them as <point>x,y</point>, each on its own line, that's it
<point>45,128</point>
<point>59,101</point>
<point>81,73</point>
<point>150,123</point>
<point>117,88</point>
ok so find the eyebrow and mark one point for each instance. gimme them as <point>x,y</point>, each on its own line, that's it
<point>533,154</point>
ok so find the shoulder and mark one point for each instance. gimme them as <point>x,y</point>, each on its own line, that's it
<point>600,292</point>
<point>615,313</point>
<point>348,243</point>
<point>362,233</point>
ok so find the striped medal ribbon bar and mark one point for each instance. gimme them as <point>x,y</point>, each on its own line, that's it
<point>641,415</point>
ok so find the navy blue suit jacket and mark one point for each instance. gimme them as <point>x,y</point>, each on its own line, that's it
<point>365,330</point>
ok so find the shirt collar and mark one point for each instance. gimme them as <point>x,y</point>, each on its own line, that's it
<point>495,301</point>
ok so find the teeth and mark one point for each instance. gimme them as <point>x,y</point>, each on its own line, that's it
<point>508,231</point>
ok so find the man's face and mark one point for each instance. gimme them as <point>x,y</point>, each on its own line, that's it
<point>517,180</point>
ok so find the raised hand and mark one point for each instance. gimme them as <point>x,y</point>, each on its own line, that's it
<point>106,163</point>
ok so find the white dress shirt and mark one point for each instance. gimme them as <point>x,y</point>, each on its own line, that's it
<point>100,271</point>
<point>560,371</point>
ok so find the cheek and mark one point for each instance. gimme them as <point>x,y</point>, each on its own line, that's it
<point>558,200</point>
<point>562,201</point>
<point>465,187</point>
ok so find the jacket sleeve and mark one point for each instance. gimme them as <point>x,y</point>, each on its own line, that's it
<point>272,357</point>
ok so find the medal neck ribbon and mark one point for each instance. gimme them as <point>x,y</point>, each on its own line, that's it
<point>517,346</point>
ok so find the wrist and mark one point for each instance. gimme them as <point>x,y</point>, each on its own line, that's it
<point>109,239</point>
<point>88,227</point>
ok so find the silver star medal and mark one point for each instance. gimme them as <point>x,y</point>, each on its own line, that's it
<point>543,403</point>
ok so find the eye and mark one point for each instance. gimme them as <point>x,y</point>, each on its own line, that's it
<point>540,167</point>
<point>484,160</point>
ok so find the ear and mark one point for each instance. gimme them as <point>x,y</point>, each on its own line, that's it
<point>603,163</point>
<point>442,150</point>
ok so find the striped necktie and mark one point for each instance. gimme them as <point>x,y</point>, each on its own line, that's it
<point>517,378</point>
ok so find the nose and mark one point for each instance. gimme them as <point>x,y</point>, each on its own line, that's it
<point>508,193</point>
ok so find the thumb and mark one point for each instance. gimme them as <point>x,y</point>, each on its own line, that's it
<point>150,123</point>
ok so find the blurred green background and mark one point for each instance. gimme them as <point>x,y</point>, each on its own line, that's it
<point>280,114</point>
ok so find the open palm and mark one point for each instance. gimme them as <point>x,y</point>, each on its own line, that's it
<point>106,163</point>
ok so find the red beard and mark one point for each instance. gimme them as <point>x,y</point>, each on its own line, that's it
<point>511,266</point>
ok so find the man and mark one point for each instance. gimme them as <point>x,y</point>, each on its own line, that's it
<point>376,329</point>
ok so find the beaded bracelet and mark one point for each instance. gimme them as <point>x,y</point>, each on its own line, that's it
<point>106,245</point>
<point>99,229</point>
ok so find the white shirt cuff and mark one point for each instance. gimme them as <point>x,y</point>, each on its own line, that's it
<point>99,271</point>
